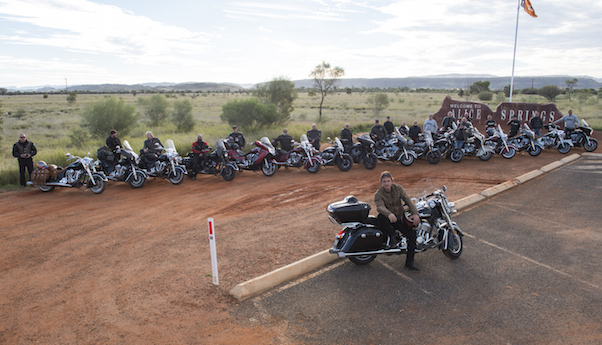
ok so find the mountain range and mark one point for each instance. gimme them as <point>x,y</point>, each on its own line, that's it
<point>450,81</point>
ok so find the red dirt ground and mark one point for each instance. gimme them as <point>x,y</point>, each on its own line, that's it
<point>133,266</point>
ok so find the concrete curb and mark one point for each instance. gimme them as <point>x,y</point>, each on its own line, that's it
<point>269,280</point>
<point>591,154</point>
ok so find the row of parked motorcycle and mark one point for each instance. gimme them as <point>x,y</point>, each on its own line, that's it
<point>227,159</point>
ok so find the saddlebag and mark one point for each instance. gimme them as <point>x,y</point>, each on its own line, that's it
<point>40,176</point>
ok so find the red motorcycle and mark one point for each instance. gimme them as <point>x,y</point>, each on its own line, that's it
<point>260,157</point>
<point>303,155</point>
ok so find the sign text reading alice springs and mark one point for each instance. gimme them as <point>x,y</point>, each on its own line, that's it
<point>504,112</point>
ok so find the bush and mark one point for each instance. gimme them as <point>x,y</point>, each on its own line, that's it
<point>100,117</point>
<point>182,116</point>
<point>249,113</point>
<point>485,96</point>
<point>72,96</point>
<point>378,102</point>
<point>155,109</point>
<point>550,92</point>
<point>78,137</point>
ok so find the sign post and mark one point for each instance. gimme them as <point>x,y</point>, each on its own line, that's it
<point>213,251</point>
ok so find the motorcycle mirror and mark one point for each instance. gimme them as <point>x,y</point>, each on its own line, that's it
<point>67,155</point>
<point>444,188</point>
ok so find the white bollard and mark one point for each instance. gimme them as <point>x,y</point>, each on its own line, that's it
<point>213,251</point>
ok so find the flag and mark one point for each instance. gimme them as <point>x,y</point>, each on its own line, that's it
<point>526,4</point>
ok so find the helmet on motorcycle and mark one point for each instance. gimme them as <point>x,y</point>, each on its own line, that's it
<point>42,165</point>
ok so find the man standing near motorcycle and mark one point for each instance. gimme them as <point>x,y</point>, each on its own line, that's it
<point>514,124</point>
<point>285,140</point>
<point>23,150</point>
<point>388,199</point>
<point>200,151</point>
<point>414,131</point>
<point>430,125</point>
<point>536,123</point>
<point>314,135</point>
<point>389,126</point>
<point>346,137</point>
<point>378,131</point>
<point>570,122</point>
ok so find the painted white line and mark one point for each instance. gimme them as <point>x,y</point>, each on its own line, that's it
<point>397,272</point>
<point>548,267</point>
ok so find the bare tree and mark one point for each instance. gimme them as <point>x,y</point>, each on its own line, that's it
<point>570,83</point>
<point>325,78</point>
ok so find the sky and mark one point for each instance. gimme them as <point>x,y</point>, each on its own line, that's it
<point>75,42</point>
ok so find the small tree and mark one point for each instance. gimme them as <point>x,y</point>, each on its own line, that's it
<point>280,92</point>
<point>249,113</point>
<point>182,115</point>
<point>109,113</point>
<point>479,86</point>
<point>378,102</point>
<point>71,97</point>
<point>570,83</point>
<point>325,78</point>
<point>485,96</point>
<point>550,92</point>
<point>155,108</point>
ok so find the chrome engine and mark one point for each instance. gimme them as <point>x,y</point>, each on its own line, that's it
<point>294,159</point>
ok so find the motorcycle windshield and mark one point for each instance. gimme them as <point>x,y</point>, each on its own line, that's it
<point>303,139</point>
<point>339,144</point>
<point>170,146</point>
<point>128,148</point>
<point>220,148</point>
<point>583,123</point>
<point>268,145</point>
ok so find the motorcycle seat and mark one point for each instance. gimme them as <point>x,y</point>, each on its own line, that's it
<point>372,220</point>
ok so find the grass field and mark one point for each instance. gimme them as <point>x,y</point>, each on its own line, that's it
<point>49,122</point>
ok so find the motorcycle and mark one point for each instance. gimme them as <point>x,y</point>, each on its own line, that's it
<point>126,169</point>
<point>581,136</point>
<point>363,150</point>
<point>473,146</point>
<point>444,141</point>
<point>526,141</point>
<point>260,157</point>
<point>395,147</point>
<point>302,155</point>
<point>217,163</point>
<point>498,142</point>
<point>361,240</point>
<point>555,138</point>
<point>425,147</point>
<point>81,173</point>
<point>335,155</point>
<point>168,164</point>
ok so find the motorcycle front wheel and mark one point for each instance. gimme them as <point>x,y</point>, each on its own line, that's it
<point>314,167</point>
<point>176,177</point>
<point>138,181</point>
<point>592,145</point>
<point>534,151</point>
<point>370,161</point>
<point>362,259</point>
<point>564,148</point>
<point>45,188</point>
<point>509,153</point>
<point>99,184</point>
<point>228,173</point>
<point>487,156</point>
<point>268,168</point>
<point>456,155</point>
<point>345,162</point>
<point>407,160</point>
<point>433,157</point>
<point>455,251</point>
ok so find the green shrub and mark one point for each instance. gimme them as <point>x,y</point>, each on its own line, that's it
<point>249,113</point>
<point>155,108</point>
<point>182,116</point>
<point>485,96</point>
<point>106,114</point>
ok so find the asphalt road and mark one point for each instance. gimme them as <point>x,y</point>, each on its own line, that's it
<point>530,273</point>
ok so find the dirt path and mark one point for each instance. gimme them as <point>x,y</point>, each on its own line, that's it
<point>133,266</point>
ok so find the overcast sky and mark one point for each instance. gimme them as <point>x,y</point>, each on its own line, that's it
<point>44,42</point>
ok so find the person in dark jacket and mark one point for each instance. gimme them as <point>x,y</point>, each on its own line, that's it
<point>314,135</point>
<point>388,199</point>
<point>24,150</point>
<point>389,126</point>
<point>461,133</point>
<point>514,126</point>
<point>536,123</point>
<point>414,131</point>
<point>490,125</point>
<point>346,137</point>
<point>285,141</point>
<point>238,138</point>
<point>448,121</point>
<point>378,131</point>
<point>200,153</point>
<point>113,143</point>
<point>150,150</point>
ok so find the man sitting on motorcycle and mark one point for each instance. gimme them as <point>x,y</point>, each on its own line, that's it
<point>388,199</point>
<point>285,140</point>
<point>151,150</point>
<point>200,151</point>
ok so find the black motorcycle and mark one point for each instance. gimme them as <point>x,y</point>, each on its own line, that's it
<point>581,136</point>
<point>166,165</point>
<point>335,155</point>
<point>126,169</point>
<point>361,240</point>
<point>217,163</point>
<point>424,147</point>
<point>526,141</point>
<point>363,151</point>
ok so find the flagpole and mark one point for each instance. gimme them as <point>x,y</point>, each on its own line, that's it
<point>514,56</point>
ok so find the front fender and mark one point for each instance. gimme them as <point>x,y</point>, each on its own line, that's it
<point>313,160</point>
<point>179,168</point>
<point>136,172</point>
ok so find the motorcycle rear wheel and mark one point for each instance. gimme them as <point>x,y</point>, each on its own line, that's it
<point>345,162</point>
<point>362,259</point>
<point>370,161</point>
<point>45,188</point>
<point>487,156</point>
<point>99,185</point>
<point>456,251</point>
<point>433,157</point>
<point>591,146</point>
